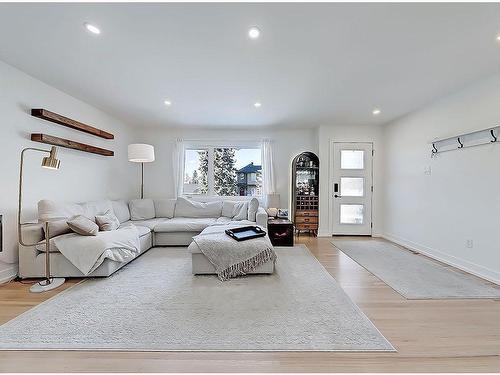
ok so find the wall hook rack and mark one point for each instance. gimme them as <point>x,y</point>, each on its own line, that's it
<point>465,140</point>
<point>493,136</point>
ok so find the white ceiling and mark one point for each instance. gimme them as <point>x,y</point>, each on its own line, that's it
<point>315,64</point>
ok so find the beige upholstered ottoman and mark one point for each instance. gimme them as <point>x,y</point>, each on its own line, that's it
<point>202,266</point>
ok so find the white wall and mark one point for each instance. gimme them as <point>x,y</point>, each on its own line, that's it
<point>333,133</point>
<point>287,144</point>
<point>82,176</point>
<point>460,199</point>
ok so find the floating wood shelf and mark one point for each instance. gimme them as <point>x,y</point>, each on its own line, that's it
<point>73,124</point>
<point>56,141</point>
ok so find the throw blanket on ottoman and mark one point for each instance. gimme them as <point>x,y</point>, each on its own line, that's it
<point>230,257</point>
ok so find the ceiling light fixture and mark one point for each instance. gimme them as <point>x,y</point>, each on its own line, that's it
<point>254,32</point>
<point>376,112</point>
<point>257,104</point>
<point>168,103</point>
<point>93,29</point>
<point>498,38</point>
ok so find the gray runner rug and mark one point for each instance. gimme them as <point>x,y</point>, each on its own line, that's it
<point>156,304</point>
<point>412,275</point>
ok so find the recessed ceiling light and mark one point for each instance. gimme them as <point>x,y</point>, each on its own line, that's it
<point>257,104</point>
<point>254,32</point>
<point>168,103</point>
<point>376,112</point>
<point>498,38</point>
<point>93,29</point>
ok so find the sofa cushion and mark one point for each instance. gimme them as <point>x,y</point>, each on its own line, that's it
<point>53,210</point>
<point>140,228</point>
<point>94,208</point>
<point>184,224</point>
<point>188,208</point>
<point>141,209</point>
<point>150,223</point>
<point>253,206</point>
<point>223,220</point>
<point>83,225</point>
<point>233,209</point>
<point>120,208</point>
<point>107,222</point>
<point>165,207</point>
<point>240,211</point>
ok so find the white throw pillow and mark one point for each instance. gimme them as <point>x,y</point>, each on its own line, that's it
<point>83,225</point>
<point>94,208</point>
<point>107,222</point>
<point>165,208</point>
<point>253,206</point>
<point>228,208</point>
<point>240,211</point>
<point>57,227</point>
<point>141,209</point>
<point>120,208</point>
<point>188,208</point>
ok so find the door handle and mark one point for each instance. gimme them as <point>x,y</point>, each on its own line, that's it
<point>337,196</point>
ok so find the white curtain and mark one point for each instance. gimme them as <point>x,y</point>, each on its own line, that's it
<point>178,166</point>
<point>268,178</point>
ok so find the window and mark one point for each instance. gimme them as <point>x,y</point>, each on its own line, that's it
<point>352,159</point>
<point>223,171</point>
<point>195,172</point>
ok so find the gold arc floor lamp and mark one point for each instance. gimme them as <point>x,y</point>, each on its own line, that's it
<point>49,162</point>
<point>141,153</point>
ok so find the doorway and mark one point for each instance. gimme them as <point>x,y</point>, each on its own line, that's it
<point>352,185</point>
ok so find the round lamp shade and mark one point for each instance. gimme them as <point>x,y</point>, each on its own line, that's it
<point>141,153</point>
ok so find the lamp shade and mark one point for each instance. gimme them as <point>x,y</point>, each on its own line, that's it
<point>273,200</point>
<point>141,153</point>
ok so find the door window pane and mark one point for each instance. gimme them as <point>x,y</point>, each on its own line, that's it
<point>352,186</point>
<point>352,159</point>
<point>195,172</point>
<point>351,213</point>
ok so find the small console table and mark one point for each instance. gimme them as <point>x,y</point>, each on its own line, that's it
<point>280,232</point>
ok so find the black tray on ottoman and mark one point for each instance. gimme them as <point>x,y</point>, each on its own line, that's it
<point>246,233</point>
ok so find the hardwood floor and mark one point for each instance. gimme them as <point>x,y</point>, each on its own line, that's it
<point>430,335</point>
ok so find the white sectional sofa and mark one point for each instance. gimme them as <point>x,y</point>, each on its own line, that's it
<point>169,222</point>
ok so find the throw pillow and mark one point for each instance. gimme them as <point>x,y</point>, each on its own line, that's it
<point>56,228</point>
<point>228,208</point>
<point>107,222</point>
<point>83,225</point>
<point>253,206</point>
<point>142,209</point>
<point>240,211</point>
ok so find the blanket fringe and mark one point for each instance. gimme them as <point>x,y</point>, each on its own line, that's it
<point>242,268</point>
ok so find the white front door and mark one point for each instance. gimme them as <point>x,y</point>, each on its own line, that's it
<point>352,188</point>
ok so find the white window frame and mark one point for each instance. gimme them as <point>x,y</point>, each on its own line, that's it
<point>210,146</point>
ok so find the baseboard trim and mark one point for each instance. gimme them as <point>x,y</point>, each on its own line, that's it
<point>8,274</point>
<point>464,265</point>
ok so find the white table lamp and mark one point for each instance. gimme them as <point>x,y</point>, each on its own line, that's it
<point>273,203</point>
<point>141,153</point>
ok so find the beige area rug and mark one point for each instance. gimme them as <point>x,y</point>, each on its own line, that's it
<point>156,304</point>
<point>412,275</point>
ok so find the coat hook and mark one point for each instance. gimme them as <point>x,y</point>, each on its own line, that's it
<point>460,143</point>
<point>493,136</point>
<point>434,149</point>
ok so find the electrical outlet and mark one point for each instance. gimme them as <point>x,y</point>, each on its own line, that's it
<point>469,244</point>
